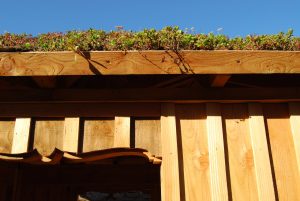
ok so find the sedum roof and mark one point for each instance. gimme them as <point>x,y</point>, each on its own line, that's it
<point>168,38</point>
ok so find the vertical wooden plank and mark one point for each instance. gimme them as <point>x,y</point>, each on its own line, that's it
<point>240,153</point>
<point>170,185</point>
<point>261,158</point>
<point>71,134</point>
<point>48,134</point>
<point>219,191</point>
<point>192,124</point>
<point>122,132</point>
<point>147,135</point>
<point>294,109</point>
<point>284,160</point>
<point>6,134</point>
<point>21,135</point>
<point>98,134</point>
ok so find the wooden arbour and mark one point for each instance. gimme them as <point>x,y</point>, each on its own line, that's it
<point>221,135</point>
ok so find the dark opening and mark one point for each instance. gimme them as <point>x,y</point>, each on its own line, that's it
<point>123,179</point>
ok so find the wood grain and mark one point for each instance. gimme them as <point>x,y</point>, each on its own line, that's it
<point>218,181</point>
<point>170,184</point>
<point>283,151</point>
<point>147,135</point>
<point>71,134</point>
<point>148,62</point>
<point>122,132</point>
<point>265,185</point>
<point>48,134</point>
<point>6,134</point>
<point>240,153</point>
<point>192,120</point>
<point>294,109</point>
<point>21,135</point>
<point>98,134</point>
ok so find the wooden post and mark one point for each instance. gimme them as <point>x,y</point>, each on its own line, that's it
<point>261,158</point>
<point>21,135</point>
<point>219,191</point>
<point>170,186</point>
<point>122,132</point>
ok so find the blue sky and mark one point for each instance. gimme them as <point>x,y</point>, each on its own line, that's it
<point>235,17</point>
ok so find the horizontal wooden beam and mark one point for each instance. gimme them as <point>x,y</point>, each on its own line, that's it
<point>281,94</point>
<point>148,62</point>
<point>79,109</point>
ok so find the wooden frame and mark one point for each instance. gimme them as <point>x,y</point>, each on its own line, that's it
<point>148,62</point>
<point>178,95</point>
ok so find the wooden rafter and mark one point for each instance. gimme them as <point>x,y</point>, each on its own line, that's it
<point>219,80</point>
<point>149,62</point>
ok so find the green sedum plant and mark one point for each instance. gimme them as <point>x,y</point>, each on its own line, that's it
<point>168,38</point>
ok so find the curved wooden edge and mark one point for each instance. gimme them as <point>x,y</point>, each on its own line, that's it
<point>148,62</point>
<point>61,157</point>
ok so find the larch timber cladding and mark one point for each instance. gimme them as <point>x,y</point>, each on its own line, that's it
<point>259,144</point>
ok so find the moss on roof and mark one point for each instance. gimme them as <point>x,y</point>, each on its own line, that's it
<point>168,38</point>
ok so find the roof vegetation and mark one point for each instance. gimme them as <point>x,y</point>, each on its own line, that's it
<point>168,38</point>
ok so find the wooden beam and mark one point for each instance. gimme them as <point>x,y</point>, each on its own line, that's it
<point>71,134</point>
<point>21,135</point>
<point>88,109</point>
<point>219,80</point>
<point>122,132</point>
<point>154,95</point>
<point>258,136</point>
<point>294,109</point>
<point>219,191</point>
<point>170,184</point>
<point>148,62</point>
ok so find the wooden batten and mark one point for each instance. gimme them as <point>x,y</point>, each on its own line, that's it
<point>122,132</point>
<point>21,135</point>
<point>218,180</point>
<point>170,184</point>
<point>261,158</point>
